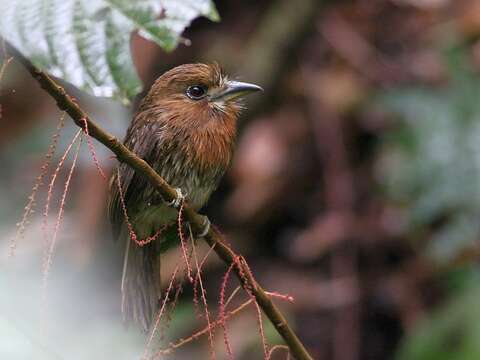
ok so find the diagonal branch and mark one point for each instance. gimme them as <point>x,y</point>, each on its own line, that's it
<point>214,238</point>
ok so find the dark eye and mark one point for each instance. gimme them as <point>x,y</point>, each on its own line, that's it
<point>196,92</point>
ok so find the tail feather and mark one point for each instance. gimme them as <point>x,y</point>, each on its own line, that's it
<point>141,291</point>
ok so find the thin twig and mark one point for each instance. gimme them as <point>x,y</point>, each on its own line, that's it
<point>204,298</point>
<point>131,231</point>
<point>173,346</point>
<point>222,311</point>
<point>183,242</point>
<point>93,153</point>
<point>160,312</point>
<point>30,207</point>
<point>44,226</point>
<point>53,242</point>
<point>5,64</point>
<point>204,331</point>
<point>278,347</point>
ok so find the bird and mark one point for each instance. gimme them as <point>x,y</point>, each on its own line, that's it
<point>185,128</point>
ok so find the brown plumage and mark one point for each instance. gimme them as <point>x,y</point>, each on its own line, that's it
<point>185,129</point>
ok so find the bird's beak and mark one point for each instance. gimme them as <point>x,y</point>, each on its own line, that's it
<point>233,90</point>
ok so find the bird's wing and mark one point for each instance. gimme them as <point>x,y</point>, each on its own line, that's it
<point>142,138</point>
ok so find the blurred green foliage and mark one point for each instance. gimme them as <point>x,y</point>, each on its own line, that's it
<point>430,168</point>
<point>450,333</point>
<point>431,161</point>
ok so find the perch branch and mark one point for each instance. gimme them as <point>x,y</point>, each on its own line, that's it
<point>214,238</point>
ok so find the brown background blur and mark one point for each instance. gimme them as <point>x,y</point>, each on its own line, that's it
<point>355,187</point>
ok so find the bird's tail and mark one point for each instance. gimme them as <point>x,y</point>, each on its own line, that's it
<point>141,289</point>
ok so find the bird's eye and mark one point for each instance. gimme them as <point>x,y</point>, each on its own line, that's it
<point>196,92</point>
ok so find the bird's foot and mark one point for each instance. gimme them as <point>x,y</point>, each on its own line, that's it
<point>179,199</point>
<point>206,226</point>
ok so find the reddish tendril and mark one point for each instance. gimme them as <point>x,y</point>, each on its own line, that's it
<point>221,315</point>
<point>91,147</point>
<point>44,226</point>
<point>278,347</point>
<point>131,232</point>
<point>51,248</point>
<point>204,299</point>
<point>183,242</point>
<point>168,314</point>
<point>160,312</point>
<point>195,284</point>
<point>30,207</point>
<point>195,336</point>
<point>173,346</point>
<point>5,63</point>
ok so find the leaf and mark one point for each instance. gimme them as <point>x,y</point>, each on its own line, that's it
<point>87,42</point>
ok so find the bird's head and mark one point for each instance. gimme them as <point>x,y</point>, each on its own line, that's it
<point>203,91</point>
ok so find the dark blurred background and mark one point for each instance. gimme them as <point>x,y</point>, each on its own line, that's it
<point>355,188</point>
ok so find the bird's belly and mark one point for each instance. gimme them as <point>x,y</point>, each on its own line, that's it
<point>196,186</point>
<point>154,213</point>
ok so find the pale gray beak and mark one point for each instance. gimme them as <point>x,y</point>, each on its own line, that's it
<point>235,89</point>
